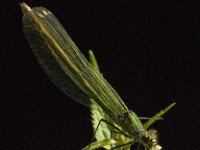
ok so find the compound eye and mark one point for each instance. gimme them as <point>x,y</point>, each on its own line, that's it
<point>153,133</point>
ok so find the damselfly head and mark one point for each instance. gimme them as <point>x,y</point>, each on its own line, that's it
<point>150,138</point>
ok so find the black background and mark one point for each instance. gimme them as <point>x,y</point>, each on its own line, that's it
<point>148,51</point>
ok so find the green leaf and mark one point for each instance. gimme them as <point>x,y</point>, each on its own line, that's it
<point>99,144</point>
<point>157,116</point>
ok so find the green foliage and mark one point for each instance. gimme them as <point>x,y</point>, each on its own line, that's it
<point>157,116</point>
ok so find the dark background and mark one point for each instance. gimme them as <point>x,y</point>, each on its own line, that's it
<point>149,52</point>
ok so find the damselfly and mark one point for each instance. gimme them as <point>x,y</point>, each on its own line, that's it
<point>74,75</point>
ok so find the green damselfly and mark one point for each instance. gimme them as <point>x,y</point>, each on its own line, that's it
<point>74,75</point>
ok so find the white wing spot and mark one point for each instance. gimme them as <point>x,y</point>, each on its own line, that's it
<point>41,15</point>
<point>45,12</point>
<point>48,12</point>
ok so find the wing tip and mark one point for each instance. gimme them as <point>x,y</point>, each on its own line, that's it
<point>24,7</point>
